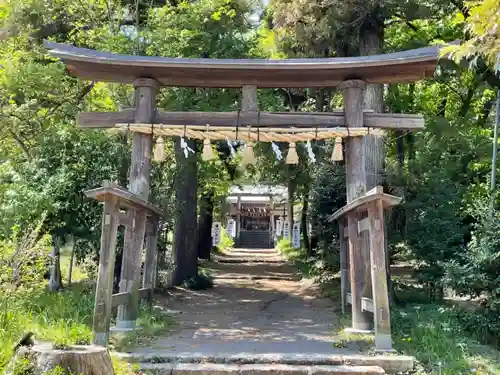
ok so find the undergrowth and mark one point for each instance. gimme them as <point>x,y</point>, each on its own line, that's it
<point>321,267</point>
<point>65,319</point>
<point>440,337</point>
<point>202,281</point>
<point>226,243</point>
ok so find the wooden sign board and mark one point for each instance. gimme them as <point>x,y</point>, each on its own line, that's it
<point>296,235</point>
<point>279,227</point>
<point>286,230</point>
<point>231,228</point>
<point>216,232</point>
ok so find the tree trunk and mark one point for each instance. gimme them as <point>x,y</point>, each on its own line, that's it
<point>55,281</point>
<point>205,225</point>
<point>123,169</point>
<point>371,41</point>
<point>291,195</point>
<point>303,224</point>
<point>72,260</point>
<point>185,246</point>
<point>77,359</point>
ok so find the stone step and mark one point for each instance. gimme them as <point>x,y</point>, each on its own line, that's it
<point>255,251</point>
<point>253,244</point>
<point>255,369</point>
<point>391,364</point>
<point>224,277</point>
<point>250,260</point>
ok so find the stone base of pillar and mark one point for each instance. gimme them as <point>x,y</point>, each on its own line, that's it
<point>122,327</point>
<point>101,339</point>
<point>383,343</point>
<point>359,331</point>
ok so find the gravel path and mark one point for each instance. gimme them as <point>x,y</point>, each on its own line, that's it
<point>255,307</point>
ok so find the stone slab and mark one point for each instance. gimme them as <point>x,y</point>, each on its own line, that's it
<point>255,369</point>
<point>346,370</point>
<point>204,369</point>
<point>275,369</point>
<point>390,363</point>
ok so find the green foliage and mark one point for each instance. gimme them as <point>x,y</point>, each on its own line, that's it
<point>476,272</point>
<point>153,324</point>
<point>226,241</point>
<point>202,281</point>
<point>438,340</point>
<point>481,25</point>
<point>441,172</point>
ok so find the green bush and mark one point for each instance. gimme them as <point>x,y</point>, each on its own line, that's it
<point>226,242</point>
<point>201,281</point>
<point>476,272</point>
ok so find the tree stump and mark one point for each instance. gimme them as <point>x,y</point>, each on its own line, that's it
<point>76,359</point>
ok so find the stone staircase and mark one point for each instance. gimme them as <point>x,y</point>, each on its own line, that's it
<point>231,339</point>
<point>257,369</point>
<point>254,240</point>
<point>267,364</point>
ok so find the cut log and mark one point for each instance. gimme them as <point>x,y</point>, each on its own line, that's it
<point>76,359</point>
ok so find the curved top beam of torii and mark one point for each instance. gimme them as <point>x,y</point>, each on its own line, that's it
<point>287,73</point>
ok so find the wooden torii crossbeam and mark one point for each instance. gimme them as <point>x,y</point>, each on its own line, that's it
<point>149,73</point>
<point>255,119</point>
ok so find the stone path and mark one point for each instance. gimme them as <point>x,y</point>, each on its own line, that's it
<point>260,318</point>
<point>259,305</point>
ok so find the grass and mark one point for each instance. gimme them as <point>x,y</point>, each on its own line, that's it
<point>65,318</point>
<point>77,274</point>
<point>433,333</point>
<point>152,325</point>
<point>297,256</point>
<point>226,242</point>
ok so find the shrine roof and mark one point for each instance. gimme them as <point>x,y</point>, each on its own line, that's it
<point>253,199</point>
<point>257,190</point>
<point>95,65</point>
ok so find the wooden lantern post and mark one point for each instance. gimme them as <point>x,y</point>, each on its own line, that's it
<point>365,215</point>
<point>117,199</point>
<point>104,287</point>
<point>151,259</point>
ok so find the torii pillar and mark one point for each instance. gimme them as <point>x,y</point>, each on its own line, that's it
<point>142,145</point>
<point>360,172</point>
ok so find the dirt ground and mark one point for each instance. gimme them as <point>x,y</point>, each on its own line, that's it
<point>258,305</point>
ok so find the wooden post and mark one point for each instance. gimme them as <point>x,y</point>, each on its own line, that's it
<point>150,261</point>
<point>354,157</point>
<point>238,220</point>
<point>249,100</point>
<point>356,183</point>
<point>71,261</point>
<point>381,311</point>
<point>360,319</point>
<point>131,270</point>
<point>364,244</point>
<point>249,103</point>
<point>104,287</point>
<point>142,145</point>
<point>272,227</point>
<point>344,275</point>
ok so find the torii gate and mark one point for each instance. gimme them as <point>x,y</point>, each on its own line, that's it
<point>148,74</point>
